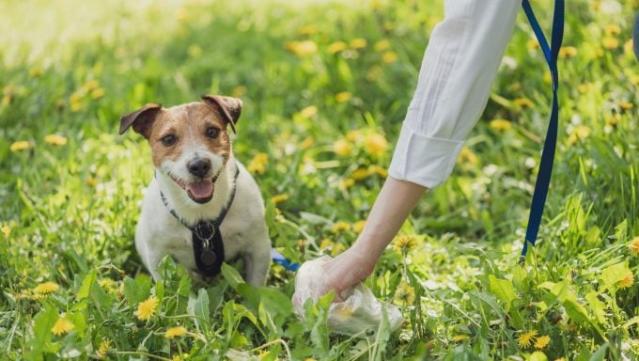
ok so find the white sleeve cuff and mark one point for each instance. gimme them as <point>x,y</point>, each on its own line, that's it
<point>423,160</point>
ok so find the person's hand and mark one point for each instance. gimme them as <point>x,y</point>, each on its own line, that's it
<point>347,270</point>
<point>340,274</point>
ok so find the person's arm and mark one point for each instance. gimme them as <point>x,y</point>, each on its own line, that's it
<point>457,71</point>
<point>392,206</point>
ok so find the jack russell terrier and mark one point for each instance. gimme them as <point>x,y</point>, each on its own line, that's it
<point>202,207</point>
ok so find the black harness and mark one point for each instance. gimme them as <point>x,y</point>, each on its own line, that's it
<point>208,246</point>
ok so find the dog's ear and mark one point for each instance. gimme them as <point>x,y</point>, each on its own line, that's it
<point>141,119</point>
<point>228,107</point>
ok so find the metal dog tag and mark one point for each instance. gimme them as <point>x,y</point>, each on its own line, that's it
<point>208,257</point>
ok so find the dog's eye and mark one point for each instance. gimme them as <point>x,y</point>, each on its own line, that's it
<point>212,132</point>
<point>168,140</point>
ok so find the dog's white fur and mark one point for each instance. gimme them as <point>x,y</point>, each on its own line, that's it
<point>244,230</point>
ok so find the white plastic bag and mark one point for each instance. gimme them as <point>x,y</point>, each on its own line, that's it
<point>359,314</point>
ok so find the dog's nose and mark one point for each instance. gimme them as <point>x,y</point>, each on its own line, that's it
<point>199,166</point>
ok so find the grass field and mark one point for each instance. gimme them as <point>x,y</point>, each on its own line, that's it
<point>325,86</point>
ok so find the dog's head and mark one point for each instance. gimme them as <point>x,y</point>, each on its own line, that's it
<point>189,142</point>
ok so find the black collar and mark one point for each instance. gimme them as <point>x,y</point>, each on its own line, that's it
<point>208,246</point>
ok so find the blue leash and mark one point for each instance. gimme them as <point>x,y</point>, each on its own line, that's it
<point>548,154</point>
<point>283,261</point>
<point>551,53</point>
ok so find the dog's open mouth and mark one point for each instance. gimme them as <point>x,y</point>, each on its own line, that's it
<point>200,191</point>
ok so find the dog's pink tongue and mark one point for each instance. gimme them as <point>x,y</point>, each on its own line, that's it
<point>201,190</point>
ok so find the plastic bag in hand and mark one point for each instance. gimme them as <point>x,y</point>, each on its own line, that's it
<point>359,314</point>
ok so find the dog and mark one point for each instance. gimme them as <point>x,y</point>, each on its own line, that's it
<point>202,207</point>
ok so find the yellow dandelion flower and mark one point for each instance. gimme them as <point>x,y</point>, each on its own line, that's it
<point>103,349</point>
<point>633,246</point>
<point>308,112</point>
<point>532,44</point>
<point>180,357</point>
<point>342,147</point>
<point>326,244</point>
<point>343,97</point>
<point>526,338</point>
<point>628,47</point>
<point>382,45</point>
<point>307,143</point>
<point>340,226</point>
<point>468,157</point>
<point>194,51</point>
<point>337,249</point>
<point>547,77</point>
<point>358,43</point>
<point>359,174</point>
<point>405,294</point>
<point>46,288</point>
<point>523,102</point>
<point>612,119</point>
<point>174,332</point>
<point>257,165</point>
<point>380,171</point>
<point>389,57</point>
<point>627,281</point>
<point>91,85</point>
<point>337,47</point>
<point>560,359</point>
<point>91,181</point>
<point>97,93</point>
<point>542,342</point>
<point>279,198</point>
<point>108,284</point>
<point>610,42</point>
<point>55,139</point>
<point>6,230</point>
<point>584,87</point>
<point>20,146</point>
<point>146,309</point>
<point>405,242</point>
<point>62,326</point>
<point>580,132</point>
<point>358,226</point>
<point>355,136</point>
<point>239,91</point>
<point>500,125</point>
<point>459,338</point>
<point>375,144</point>
<point>625,105</point>
<point>567,52</point>
<point>612,29</point>
<point>36,72</point>
<point>307,30</point>
<point>346,183</point>
<point>75,102</point>
<point>302,48</point>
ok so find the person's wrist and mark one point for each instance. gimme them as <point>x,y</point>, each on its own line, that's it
<point>368,243</point>
<point>367,256</point>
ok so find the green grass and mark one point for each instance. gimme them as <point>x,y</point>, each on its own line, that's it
<point>69,211</point>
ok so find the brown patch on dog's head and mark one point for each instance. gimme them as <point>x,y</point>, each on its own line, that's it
<point>141,119</point>
<point>186,126</point>
<point>229,108</point>
<point>189,142</point>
